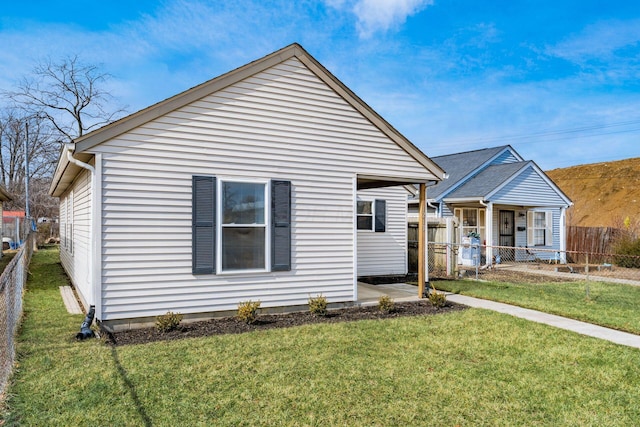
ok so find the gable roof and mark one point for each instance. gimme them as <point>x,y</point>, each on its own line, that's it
<point>488,180</point>
<point>86,142</point>
<point>461,166</point>
<point>473,176</point>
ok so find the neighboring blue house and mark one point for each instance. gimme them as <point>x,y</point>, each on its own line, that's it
<point>506,200</point>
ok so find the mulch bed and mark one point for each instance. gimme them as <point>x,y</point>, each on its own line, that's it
<point>231,325</point>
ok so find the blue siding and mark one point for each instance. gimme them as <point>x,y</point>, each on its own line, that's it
<point>528,189</point>
<point>504,158</point>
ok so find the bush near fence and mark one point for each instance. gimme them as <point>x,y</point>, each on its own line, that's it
<point>12,283</point>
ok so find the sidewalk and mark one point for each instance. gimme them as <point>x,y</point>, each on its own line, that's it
<point>369,294</point>
<point>583,328</point>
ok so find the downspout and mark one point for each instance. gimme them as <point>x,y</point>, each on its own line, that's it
<point>85,328</point>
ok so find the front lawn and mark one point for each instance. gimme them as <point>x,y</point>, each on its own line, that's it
<point>612,305</point>
<point>471,367</point>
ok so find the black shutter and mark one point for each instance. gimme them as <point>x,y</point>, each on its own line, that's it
<point>280,225</point>
<point>203,224</point>
<point>381,215</point>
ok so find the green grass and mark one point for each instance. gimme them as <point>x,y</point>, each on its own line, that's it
<point>466,368</point>
<point>608,304</point>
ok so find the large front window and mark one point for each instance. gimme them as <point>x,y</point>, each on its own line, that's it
<point>243,226</point>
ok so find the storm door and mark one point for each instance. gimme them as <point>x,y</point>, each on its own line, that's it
<point>506,225</point>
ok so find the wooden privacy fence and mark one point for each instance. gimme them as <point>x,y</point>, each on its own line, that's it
<point>595,240</point>
<point>438,230</point>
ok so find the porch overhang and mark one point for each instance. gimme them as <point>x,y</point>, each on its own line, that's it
<point>365,182</point>
<point>476,201</point>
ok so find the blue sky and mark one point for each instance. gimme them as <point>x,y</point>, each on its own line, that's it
<point>558,80</point>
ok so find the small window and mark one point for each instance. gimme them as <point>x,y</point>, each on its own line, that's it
<point>365,215</point>
<point>540,228</point>
<point>371,215</point>
<point>66,225</point>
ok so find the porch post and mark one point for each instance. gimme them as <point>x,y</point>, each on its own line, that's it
<point>422,244</point>
<point>563,235</point>
<point>488,229</point>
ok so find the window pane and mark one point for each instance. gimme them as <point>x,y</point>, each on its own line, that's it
<point>364,208</point>
<point>243,248</point>
<point>538,237</point>
<point>365,222</point>
<point>470,217</point>
<point>539,219</point>
<point>243,203</point>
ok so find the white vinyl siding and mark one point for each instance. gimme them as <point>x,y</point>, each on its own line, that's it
<point>381,254</point>
<point>528,189</point>
<point>75,218</point>
<point>283,123</point>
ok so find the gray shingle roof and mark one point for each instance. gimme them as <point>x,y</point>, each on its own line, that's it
<point>460,165</point>
<point>488,180</point>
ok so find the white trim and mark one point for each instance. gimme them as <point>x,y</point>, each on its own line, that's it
<point>96,233</point>
<point>354,238</point>
<point>488,228</point>
<point>373,214</point>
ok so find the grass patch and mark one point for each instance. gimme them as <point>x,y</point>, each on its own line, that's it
<point>612,305</point>
<point>472,367</point>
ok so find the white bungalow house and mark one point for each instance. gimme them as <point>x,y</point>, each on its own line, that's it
<point>507,201</point>
<point>273,182</point>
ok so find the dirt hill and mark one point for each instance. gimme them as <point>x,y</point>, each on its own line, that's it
<point>603,194</point>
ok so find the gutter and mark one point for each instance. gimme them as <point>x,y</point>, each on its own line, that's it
<point>85,328</point>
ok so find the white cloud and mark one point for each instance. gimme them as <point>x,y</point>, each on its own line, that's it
<point>598,41</point>
<point>380,15</point>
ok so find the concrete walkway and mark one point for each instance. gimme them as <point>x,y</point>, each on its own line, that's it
<point>583,328</point>
<point>369,294</point>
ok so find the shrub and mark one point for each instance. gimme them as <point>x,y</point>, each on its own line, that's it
<point>248,311</point>
<point>437,299</point>
<point>386,304</point>
<point>168,322</point>
<point>318,305</point>
<point>627,250</point>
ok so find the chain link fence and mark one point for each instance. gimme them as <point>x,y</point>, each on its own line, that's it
<point>12,284</point>
<point>448,260</point>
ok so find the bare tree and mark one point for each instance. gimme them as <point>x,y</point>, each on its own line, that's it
<point>58,102</point>
<point>17,132</point>
<point>69,94</point>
